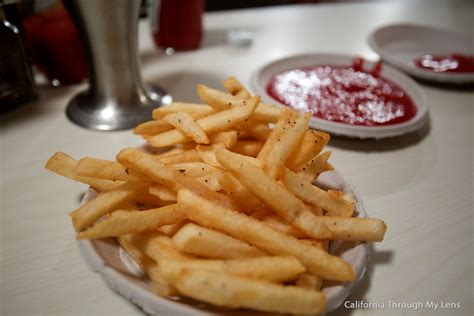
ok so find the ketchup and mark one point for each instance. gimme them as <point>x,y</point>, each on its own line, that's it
<point>343,94</point>
<point>446,63</point>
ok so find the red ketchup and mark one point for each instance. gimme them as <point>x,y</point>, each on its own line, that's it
<point>446,63</point>
<point>343,94</point>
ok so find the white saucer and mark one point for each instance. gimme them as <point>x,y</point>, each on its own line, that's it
<point>107,258</point>
<point>263,75</point>
<point>400,44</point>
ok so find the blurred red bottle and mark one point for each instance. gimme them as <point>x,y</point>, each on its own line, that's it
<point>178,23</point>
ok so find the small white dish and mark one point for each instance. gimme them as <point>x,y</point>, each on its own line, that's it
<point>263,75</point>
<point>400,44</point>
<point>121,274</point>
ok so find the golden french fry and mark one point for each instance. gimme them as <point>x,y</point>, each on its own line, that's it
<point>270,268</point>
<point>257,130</point>
<point>103,204</point>
<point>286,143</point>
<point>211,181</point>
<point>170,230</point>
<point>247,148</point>
<point>316,166</point>
<point>152,128</point>
<point>134,245</point>
<point>163,174</point>
<point>127,222</point>
<point>160,247</point>
<point>184,123</point>
<point>104,169</point>
<point>334,203</point>
<point>226,138</point>
<point>278,223</point>
<point>309,281</point>
<point>250,203</point>
<point>355,228</point>
<point>208,155</point>
<point>190,155</point>
<point>65,165</point>
<point>219,100</point>
<point>162,192</point>
<point>311,145</point>
<point>196,169</point>
<point>241,292</point>
<point>283,123</point>
<point>234,87</point>
<point>209,243</point>
<point>238,225</point>
<point>213,123</point>
<point>195,110</point>
<point>274,194</point>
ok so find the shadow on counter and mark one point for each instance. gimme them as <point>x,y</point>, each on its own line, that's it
<point>381,145</point>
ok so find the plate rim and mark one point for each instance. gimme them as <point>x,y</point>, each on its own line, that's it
<point>343,129</point>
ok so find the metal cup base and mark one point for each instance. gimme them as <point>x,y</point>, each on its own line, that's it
<point>108,114</point>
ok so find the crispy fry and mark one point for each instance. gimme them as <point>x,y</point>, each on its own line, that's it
<point>257,130</point>
<point>163,174</point>
<point>152,128</point>
<point>285,144</point>
<point>213,123</point>
<point>354,228</point>
<point>248,148</point>
<point>209,243</point>
<point>190,155</point>
<point>104,169</point>
<point>274,194</point>
<point>126,222</point>
<point>334,203</point>
<point>196,169</point>
<point>195,110</point>
<point>134,245</point>
<point>311,145</point>
<point>184,123</point>
<point>64,165</point>
<point>226,138</point>
<point>162,192</point>
<point>283,123</point>
<point>316,166</point>
<point>278,223</point>
<point>270,268</point>
<point>250,203</point>
<point>234,87</point>
<point>257,233</point>
<point>241,292</point>
<point>170,230</point>
<point>103,204</point>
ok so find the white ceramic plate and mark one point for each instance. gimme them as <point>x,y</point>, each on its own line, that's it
<point>118,270</point>
<point>262,76</point>
<point>400,44</point>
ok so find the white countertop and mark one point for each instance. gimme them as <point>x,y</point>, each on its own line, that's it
<point>420,184</point>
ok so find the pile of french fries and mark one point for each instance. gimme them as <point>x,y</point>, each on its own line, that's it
<point>224,209</point>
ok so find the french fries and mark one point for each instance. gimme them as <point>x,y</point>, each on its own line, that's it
<point>205,242</point>
<point>225,209</point>
<point>334,203</point>
<point>188,126</point>
<point>274,194</point>
<point>126,222</point>
<point>257,233</point>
